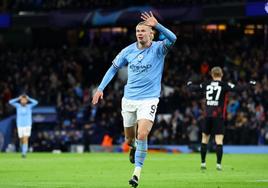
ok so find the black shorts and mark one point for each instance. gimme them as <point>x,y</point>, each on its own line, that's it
<point>213,125</point>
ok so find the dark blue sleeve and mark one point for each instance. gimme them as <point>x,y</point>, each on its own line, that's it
<point>237,88</point>
<point>196,88</point>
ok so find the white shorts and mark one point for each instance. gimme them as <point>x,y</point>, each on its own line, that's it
<point>134,110</point>
<point>24,131</point>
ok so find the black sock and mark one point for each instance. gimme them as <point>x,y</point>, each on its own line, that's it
<point>203,152</point>
<point>132,144</point>
<point>219,153</point>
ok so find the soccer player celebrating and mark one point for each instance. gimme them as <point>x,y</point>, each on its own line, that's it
<point>216,100</point>
<point>24,119</point>
<point>145,60</point>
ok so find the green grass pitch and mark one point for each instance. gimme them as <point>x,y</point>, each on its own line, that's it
<point>113,170</point>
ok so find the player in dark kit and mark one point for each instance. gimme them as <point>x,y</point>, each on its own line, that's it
<point>215,92</point>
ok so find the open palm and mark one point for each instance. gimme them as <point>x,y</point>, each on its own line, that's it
<point>149,18</point>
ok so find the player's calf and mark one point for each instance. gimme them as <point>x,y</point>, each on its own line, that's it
<point>132,154</point>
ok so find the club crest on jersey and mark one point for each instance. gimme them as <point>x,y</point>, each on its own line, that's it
<point>140,57</point>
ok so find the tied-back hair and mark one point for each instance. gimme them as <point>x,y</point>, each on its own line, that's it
<point>144,23</point>
<point>216,72</point>
<point>24,96</point>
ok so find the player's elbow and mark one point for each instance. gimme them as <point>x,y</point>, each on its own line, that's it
<point>173,38</point>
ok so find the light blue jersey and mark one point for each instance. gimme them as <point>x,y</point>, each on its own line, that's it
<point>24,113</point>
<point>145,67</point>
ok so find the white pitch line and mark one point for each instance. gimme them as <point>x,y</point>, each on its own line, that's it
<point>262,180</point>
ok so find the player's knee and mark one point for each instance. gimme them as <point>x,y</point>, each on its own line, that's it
<point>219,143</point>
<point>129,140</point>
<point>205,139</point>
<point>219,140</point>
<point>24,140</point>
<point>142,135</point>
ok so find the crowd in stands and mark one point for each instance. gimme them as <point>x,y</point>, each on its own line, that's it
<point>67,77</point>
<point>47,5</point>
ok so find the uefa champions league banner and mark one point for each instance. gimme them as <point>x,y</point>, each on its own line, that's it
<point>257,8</point>
<point>6,131</point>
<point>45,114</point>
<point>131,15</point>
<point>5,20</point>
<point>125,16</point>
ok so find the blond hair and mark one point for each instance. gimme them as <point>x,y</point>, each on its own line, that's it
<point>142,23</point>
<point>216,72</point>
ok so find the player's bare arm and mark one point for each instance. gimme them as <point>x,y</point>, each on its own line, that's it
<point>97,96</point>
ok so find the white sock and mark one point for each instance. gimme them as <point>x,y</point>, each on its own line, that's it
<point>137,172</point>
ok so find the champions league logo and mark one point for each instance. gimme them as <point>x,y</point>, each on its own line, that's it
<point>266,7</point>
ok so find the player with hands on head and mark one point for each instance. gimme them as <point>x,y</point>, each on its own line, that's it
<point>24,119</point>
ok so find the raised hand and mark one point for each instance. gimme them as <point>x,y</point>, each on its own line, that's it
<point>149,19</point>
<point>98,95</point>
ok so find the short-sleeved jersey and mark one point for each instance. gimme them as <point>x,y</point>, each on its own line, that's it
<point>216,97</point>
<point>145,68</point>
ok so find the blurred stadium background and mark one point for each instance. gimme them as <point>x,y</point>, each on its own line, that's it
<point>57,51</point>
